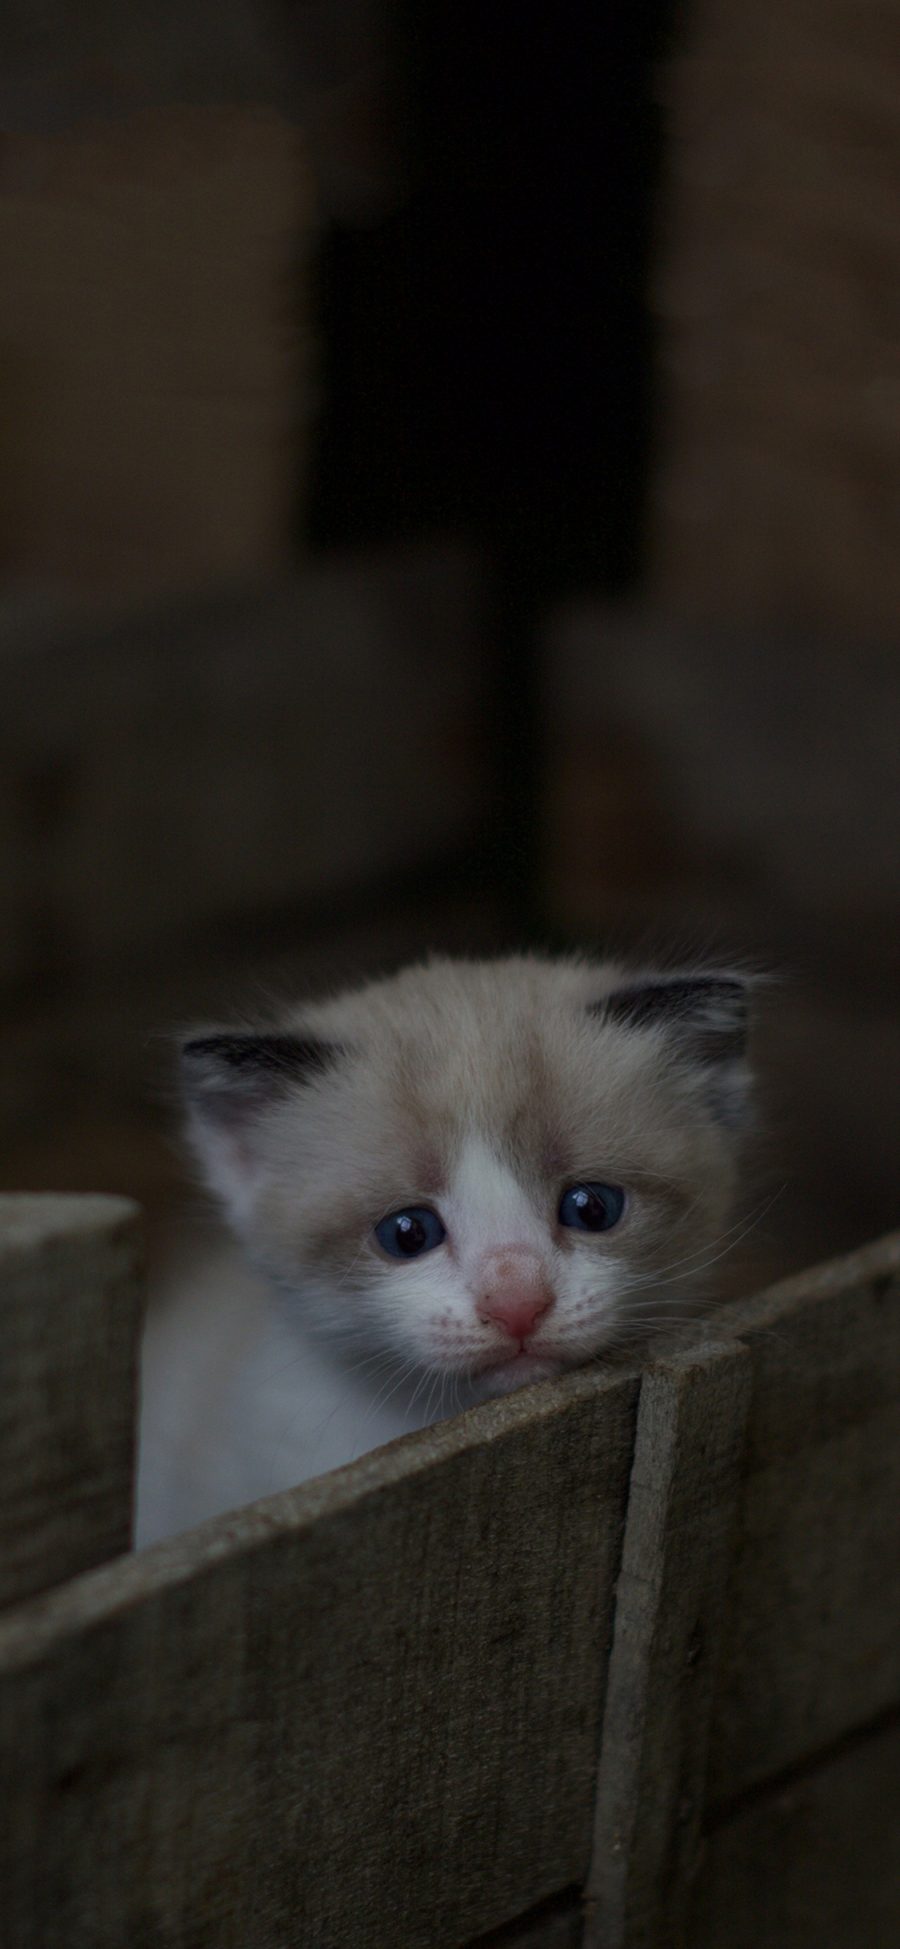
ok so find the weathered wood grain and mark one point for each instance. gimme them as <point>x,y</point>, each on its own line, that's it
<point>69,1325</point>
<point>810,1644</point>
<point>812,1864</point>
<point>368,1712</point>
<point>678,1545</point>
<point>363,1713</point>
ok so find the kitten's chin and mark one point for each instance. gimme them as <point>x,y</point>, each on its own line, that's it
<point>520,1371</point>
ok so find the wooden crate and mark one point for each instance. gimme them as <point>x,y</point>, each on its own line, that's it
<point>611,1662</point>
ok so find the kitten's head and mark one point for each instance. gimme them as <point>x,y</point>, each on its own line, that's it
<point>496,1170</point>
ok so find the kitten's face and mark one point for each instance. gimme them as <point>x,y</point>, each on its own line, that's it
<point>494,1171</point>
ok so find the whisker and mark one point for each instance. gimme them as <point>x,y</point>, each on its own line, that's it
<point>429,1398</point>
<point>387,1391</point>
<point>424,1378</point>
<point>296,1359</point>
<point>748,1228</point>
<point>381,1402</point>
<point>319,1428</point>
<point>742,1226</point>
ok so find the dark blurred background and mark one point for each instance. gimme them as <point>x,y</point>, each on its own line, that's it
<point>448,499</point>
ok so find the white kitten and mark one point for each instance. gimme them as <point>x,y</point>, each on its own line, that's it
<point>458,1180</point>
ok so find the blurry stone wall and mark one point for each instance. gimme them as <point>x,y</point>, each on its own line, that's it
<point>721,771</point>
<point>155,351</point>
<point>721,792</point>
<point>191,796</point>
<point>164,171</point>
<point>226,770</point>
<point>209,755</point>
<point>779,307</point>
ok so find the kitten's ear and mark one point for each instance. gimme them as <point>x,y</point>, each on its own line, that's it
<point>229,1075</point>
<point>229,1079</point>
<point>706,1015</point>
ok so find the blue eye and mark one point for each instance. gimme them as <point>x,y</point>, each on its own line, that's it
<point>407,1233</point>
<point>591,1207</point>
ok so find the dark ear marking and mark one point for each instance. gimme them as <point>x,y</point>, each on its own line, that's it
<point>281,1054</point>
<point>707,1013</point>
<point>232,1072</point>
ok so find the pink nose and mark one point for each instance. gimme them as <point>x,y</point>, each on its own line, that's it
<point>516,1312</point>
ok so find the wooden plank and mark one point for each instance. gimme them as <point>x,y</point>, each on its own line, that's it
<point>678,1543</point>
<point>364,1713</point>
<point>810,1643</point>
<point>811,1864</point>
<point>69,1325</point>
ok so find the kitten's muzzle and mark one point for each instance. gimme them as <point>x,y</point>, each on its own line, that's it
<point>515,1295</point>
<point>514,1314</point>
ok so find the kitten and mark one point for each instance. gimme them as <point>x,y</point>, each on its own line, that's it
<point>458,1180</point>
